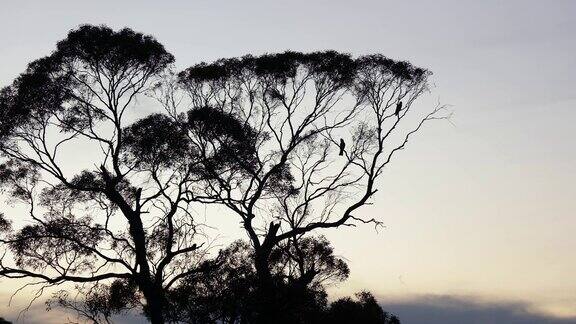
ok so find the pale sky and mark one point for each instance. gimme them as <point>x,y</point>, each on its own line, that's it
<point>480,212</point>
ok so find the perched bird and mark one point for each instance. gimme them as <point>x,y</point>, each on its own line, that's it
<point>398,108</point>
<point>342,146</point>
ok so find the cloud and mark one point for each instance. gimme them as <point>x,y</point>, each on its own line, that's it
<point>458,310</point>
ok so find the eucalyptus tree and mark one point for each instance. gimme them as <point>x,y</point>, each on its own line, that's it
<point>121,220</point>
<point>323,127</point>
<point>229,294</point>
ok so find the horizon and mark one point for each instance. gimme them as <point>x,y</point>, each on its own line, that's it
<point>478,212</point>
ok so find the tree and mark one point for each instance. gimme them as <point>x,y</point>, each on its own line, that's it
<point>363,310</point>
<point>230,295</point>
<point>298,108</point>
<point>124,218</point>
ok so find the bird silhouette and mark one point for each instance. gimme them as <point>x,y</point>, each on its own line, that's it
<point>342,146</point>
<point>398,108</point>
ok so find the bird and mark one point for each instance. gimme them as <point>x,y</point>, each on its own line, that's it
<point>342,146</point>
<point>398,108</point>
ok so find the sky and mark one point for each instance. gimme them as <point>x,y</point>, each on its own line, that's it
<point>479,212</point>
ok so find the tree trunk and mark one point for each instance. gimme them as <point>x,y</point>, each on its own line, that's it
<point>154,303</point>
<point>268,308</point>
<point>152,293</point>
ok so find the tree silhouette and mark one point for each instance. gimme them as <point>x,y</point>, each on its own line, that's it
<point>299,108</point>
<point>363,310</point>
<point>125,217</point>
<point>230,293</point>
<point>260,135</point>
